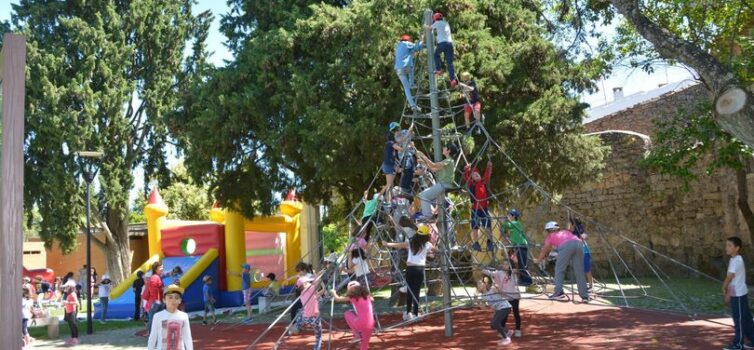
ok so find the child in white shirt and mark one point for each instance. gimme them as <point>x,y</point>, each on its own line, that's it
<point>736,293</point>
<point>170,327</point>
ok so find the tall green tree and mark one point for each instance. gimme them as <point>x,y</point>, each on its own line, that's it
<point>102,75</point>
<point>716,39</point>
<point>312,88</point>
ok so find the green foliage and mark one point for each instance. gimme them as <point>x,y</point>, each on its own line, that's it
<point>101,75</point>
<point>185,199</point>
<point>334,240</point>
<point>136,213</point>
<point>690,139</point>
<point>307,99</point>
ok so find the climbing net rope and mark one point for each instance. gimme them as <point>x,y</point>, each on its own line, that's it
<point>620,286</point>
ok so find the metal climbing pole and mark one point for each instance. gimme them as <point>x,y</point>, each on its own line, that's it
<point>437,145</point>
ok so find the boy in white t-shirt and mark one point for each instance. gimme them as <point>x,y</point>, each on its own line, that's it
<point>170,327</point>
<point>736,293</point>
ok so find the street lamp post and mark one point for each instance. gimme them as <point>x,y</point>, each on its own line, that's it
<point>89,170</point>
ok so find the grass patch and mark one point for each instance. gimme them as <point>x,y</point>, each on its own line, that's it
<point>696,294</point>
<point>40,332</point>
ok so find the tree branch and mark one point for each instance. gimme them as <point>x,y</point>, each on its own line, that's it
<point>715,75</point>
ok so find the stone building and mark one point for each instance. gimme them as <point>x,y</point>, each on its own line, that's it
<point>644,206</point>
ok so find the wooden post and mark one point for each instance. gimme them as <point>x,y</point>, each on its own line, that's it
<point>12,188</point>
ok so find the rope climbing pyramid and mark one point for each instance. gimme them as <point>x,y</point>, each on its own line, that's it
<point>472,234</point>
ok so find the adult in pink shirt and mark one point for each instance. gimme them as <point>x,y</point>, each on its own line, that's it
<point>154,293</point>
<point>570,252</point>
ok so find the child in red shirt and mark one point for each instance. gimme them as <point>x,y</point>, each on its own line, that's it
<point>480,215</point>
<point>71,304</point>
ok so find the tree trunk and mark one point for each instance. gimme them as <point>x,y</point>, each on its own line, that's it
<point>718,78</point>
<point>117,246</point>
<point>743,200</point>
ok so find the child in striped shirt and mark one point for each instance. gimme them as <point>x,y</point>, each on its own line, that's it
<point>491,295</point>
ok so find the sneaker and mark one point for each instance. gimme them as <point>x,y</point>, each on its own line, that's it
<point>509,333</point>
<point>586,300</point>
<point>476,246</point>
<point>749,346</point>
<point>408,316</point>
<point>204,322</point>
<point>216,322</point>
<point>559,296</point>
<point>506,341</point>
<point>517,333</point>
<point>402,289</point>
<point>732,347</point>
<point>293,330</point>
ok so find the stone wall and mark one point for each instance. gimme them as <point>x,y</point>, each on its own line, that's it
<point>649,208</point>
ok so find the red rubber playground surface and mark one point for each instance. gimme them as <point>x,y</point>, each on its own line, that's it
<point>546,325</point>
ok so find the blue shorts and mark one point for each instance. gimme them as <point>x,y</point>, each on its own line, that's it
<point>480,218</point>
<point>388,169</point>
<point>587,263</point>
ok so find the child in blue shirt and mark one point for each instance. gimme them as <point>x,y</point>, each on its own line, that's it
<point>404,66</point>
<point>209,299</point>
<point>247,277</point>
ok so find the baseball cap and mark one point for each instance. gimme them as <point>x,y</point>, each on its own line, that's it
<point>551,225</point>
<point>246,266</point>
<point>422,229</point>
<point>173,289</point>
<point>206,278</point>
<point>353,284</point>
<point>393,126</point>
<point>514,213</point>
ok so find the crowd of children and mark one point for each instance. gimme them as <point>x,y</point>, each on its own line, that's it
<point>498,288</point>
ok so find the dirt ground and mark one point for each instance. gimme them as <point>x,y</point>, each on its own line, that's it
<point>546,325</point>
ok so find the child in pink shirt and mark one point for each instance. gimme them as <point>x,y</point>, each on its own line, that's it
<point>361,322</point>
<point>310,312</point>
<point>71,303</point>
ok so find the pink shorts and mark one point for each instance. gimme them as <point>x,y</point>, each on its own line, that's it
<point>477,107</point>
<point>247,296</point>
